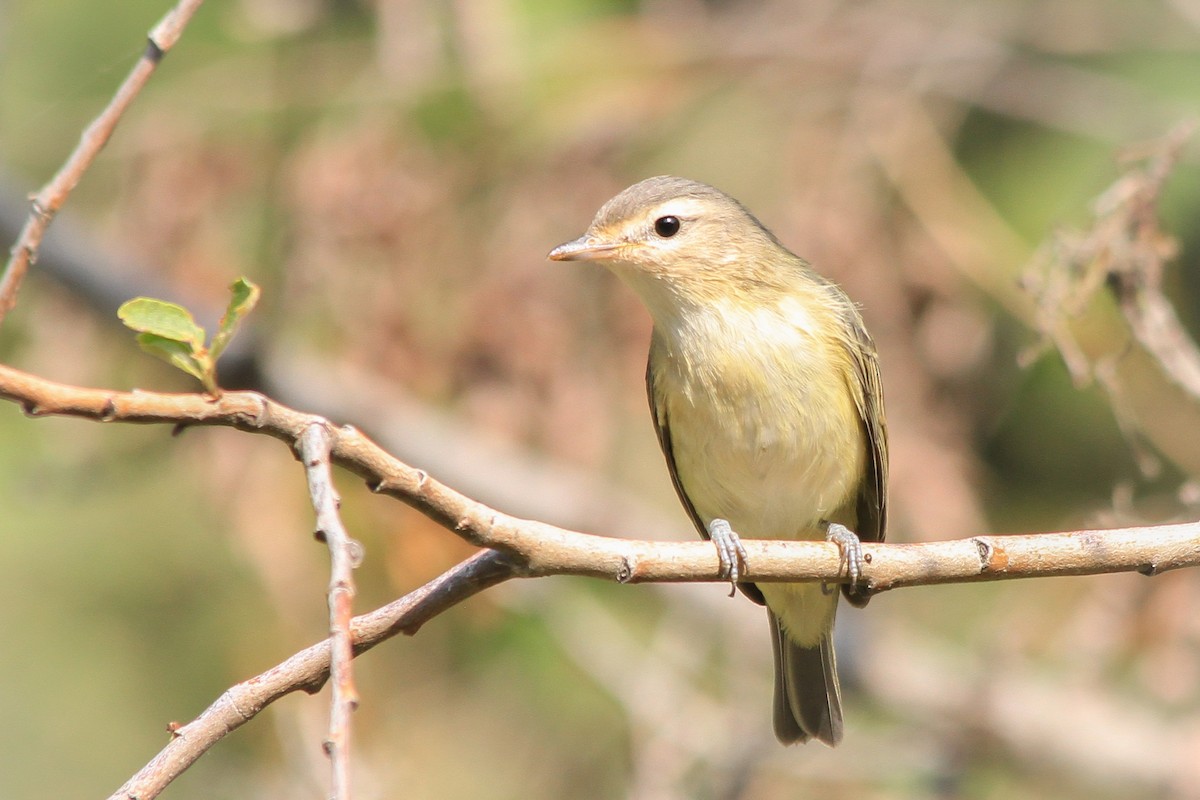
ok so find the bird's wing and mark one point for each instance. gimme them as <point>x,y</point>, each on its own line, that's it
<point>662,427</point>
<point>872,495</point>
<point>871,503</point>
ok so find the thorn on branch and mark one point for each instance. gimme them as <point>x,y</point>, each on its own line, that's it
<point>384,485</point>
<point>357,553</point>
<point>314,685</point>
<point>154,53</point>
<point>625,571</point>
<point>984,548</point>
<point>38,208</point>
<point>992,557</point>
<point>264,411</point>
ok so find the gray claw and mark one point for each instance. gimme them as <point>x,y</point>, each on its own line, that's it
<point>852,553</point>
<point>730,552</point>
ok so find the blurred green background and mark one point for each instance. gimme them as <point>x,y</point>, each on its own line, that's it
<point>392,174</point>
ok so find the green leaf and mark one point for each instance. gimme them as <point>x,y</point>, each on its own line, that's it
<point>244,296</point>
<point>163,320</point>
<point>176,353</point>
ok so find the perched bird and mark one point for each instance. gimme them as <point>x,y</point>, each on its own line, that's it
<point>765,390</point>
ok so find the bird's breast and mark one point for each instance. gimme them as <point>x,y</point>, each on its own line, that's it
<point>764,429</point>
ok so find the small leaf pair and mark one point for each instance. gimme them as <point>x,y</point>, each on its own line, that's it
<point>168,331</point>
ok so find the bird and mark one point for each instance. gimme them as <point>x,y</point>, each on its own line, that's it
<point>766,395</point>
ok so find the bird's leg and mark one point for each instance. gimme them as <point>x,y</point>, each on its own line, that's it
<point>852,553</point>
<point>729,550</point>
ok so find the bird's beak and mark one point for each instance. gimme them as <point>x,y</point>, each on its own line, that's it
<point>585,248</point>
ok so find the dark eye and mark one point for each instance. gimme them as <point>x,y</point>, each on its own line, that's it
<point>666,227</point>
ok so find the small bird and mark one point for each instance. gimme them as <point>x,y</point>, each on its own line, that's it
<point>765,391</point>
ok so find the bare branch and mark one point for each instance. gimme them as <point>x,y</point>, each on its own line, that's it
<point>543,549</point>
<point>344,554</point>
<point>308,670</point>
<point>50,199</point>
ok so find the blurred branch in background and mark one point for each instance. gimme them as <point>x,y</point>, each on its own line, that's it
<point>48,201</point>
<point>1125,252</point>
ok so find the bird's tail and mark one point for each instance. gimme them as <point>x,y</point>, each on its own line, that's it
<point>808,700</point>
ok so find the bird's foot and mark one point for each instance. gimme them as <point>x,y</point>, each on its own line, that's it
<point>852,553</point>
<point>730,552</point>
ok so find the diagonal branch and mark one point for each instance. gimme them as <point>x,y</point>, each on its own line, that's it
<point>309,669</point>
<point>540,549</point>
<point>50,199</point>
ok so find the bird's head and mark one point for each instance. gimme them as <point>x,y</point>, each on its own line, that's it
<point>679,240</point>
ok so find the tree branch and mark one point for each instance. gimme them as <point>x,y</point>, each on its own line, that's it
<point>542,549</point>
<point>308,670</point>
<point>50,199</point>
<point>344,555</point>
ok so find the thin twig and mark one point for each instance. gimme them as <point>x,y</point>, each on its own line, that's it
<point>309,669</point>
<point>344,555</point>
<point>543,549</point>
<point>50,199</point>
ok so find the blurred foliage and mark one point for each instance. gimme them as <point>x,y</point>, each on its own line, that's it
<point>393,173</point>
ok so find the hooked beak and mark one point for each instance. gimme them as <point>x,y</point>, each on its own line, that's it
<point>585,248</point>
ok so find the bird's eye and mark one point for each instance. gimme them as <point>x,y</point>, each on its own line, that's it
<point>666,227</point>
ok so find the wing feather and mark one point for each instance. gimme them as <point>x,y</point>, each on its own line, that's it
<point>871,503</point>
